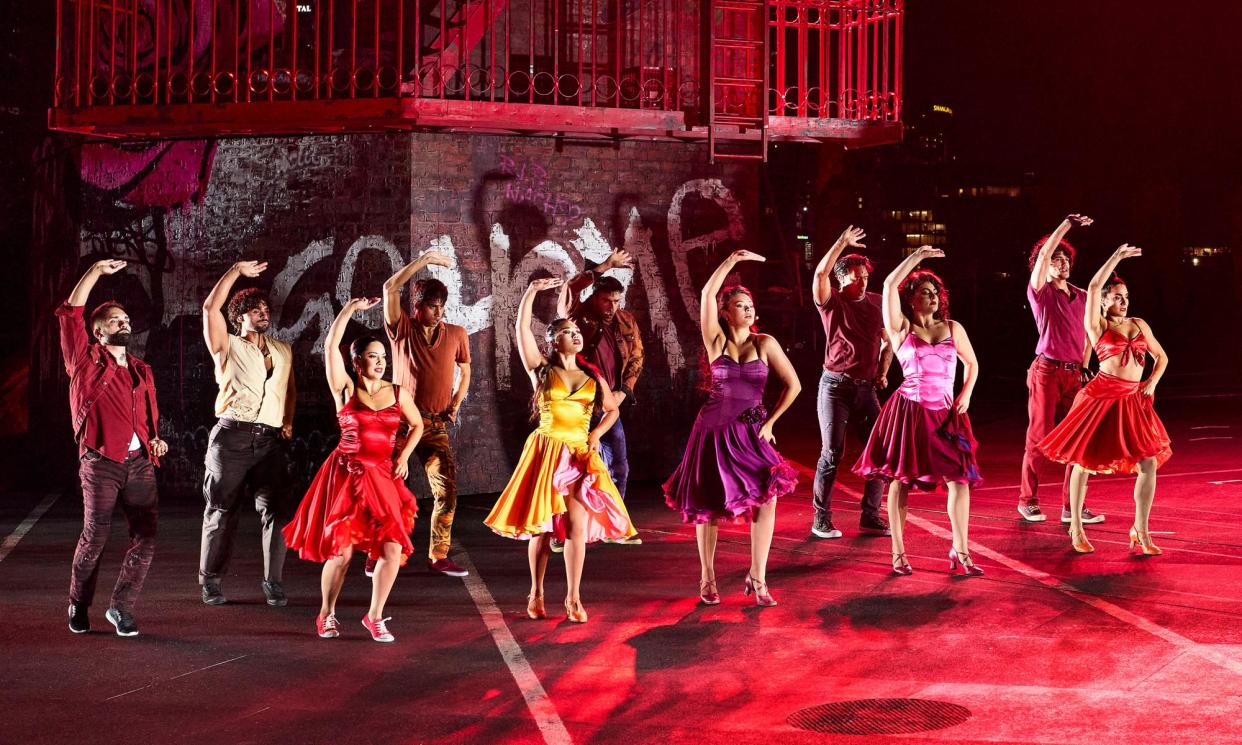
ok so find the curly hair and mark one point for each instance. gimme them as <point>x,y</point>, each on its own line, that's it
<point>429,291</point>
<point>554,360</point>
<point>241,304</point>
<point>1064,247</point>
<point>842,268</point>
<point>911,285</point>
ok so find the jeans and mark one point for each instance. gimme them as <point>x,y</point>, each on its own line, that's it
<point>104,483</point>
<point>843,404</point>
<point>612,451</point>
<point>237,459</point>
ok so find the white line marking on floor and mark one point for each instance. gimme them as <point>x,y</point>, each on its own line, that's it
<point>1217,437</point>
<point>1105,479</point>
<point>537,699</point>
<point>1212,426</point>
<point>143,688</point>
<point>20,531</point>
<point>1189,646</point>
<point>218,664</point>
<point>1226,481</point>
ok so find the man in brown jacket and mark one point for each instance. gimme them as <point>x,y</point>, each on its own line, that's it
<point>612,343</point>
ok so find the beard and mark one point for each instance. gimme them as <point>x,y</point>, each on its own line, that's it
<point>262,326</point>
<point>119,339</point>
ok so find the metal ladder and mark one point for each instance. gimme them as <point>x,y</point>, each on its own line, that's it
<point>738,85</point>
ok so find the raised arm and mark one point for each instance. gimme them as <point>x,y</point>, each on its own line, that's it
<point>895,323</point>
<point>568,300</point>
<point>1091,318</point>
<point>215,326</point>
<point>1158,354</point>
<point>413,420</point>
<point>709,312</point>
<point>970,366</point>
<point>393,285</point>
<point>82,290</point>
<point>339,382</point>
<point>1043,260</point>
<point>528,346</point>
<point>821,282</point>
<point>777,362</point>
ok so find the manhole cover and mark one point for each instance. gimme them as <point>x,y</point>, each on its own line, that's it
<point>879,716</point>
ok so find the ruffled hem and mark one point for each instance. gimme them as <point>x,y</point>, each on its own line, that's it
<point>580,473</point>
<point>782,479</point>
<point>920,447</point>
<point>1110,429</point>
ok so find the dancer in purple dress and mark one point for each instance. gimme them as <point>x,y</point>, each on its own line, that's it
<point>730,471</point>
<point>922,436</point>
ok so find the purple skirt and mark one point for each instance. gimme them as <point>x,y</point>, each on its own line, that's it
<point>727,473</point>
<point>919,446</point>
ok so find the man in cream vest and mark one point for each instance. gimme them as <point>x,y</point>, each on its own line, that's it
<point>246,452</point>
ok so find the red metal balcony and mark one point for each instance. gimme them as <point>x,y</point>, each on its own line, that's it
<point>730,71</point>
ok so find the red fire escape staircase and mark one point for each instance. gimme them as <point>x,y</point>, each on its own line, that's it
<point>738,85</point>
<point>460,34</point>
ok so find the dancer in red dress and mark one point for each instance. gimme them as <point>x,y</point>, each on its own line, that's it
<point>1112,426</point>
<point>358,499</point>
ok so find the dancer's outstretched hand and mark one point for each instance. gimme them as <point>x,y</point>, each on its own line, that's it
<point>1126,251</point>
<point>546,283</point>
<point>436,257</point>
<point>928,252</point>
<point>109,266</point>
<point>852,236</point>
<point>744,255</point>
<point>1078,221</point>
<point>250,269</point>
<point>363,303</point>
<point>619,259</point>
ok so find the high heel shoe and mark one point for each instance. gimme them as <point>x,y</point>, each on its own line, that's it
<point>1079,539</point>
<point>575,612</point>
<point>1141,539</point>
<point>763,598</point>
<point>901,567</point>
<point>708,594</point>
<point>534,607</point>
<point>964,561</point>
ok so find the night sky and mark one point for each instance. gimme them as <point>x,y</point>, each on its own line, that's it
<point>1119,106</point>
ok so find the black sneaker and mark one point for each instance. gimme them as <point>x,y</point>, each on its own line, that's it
<point>275,594</point>
<point>79,620</point>
<point>213,596</point>
<point>123,620</point>
<point>873,524</point>
<point>824,528</point>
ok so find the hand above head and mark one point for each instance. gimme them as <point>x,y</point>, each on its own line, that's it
<point>1077,220</point>
<point>362,303</point>
<point>852,236</point>
<point>108,266</point>
<point>928,252</point>
<point>545,283</point>
<point>250,269</point>
<point>619,259</point>
<point>1126,251</point>
<point>744,255</point>
<point>435,257</point>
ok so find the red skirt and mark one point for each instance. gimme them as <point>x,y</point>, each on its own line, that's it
<point>352,503</point>
<point>920,447</point>
<point>1109,429</point>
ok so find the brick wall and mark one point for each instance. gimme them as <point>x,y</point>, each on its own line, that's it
<point>335,216</point>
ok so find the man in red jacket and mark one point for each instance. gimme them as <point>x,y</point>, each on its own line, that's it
<point>116,425</point>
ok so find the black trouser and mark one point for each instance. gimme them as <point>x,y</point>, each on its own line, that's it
<point>238,459</point>
<point>844,404</point>
<point>104,483</point>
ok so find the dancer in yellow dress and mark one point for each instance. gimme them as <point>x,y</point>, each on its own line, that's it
<point>561,486</point>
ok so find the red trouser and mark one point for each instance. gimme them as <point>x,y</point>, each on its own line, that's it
<point>1051,390</point>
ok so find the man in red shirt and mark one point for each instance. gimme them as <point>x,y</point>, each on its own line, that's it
<point>116,425</point>
<point>427,355</point>
<point>855,366</point>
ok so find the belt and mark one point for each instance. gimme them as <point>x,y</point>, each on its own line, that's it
<point>253,428</point>
<point>1061,364</point>
<point>850,378</point>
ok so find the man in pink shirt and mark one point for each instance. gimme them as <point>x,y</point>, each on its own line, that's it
<point>1061,356</point>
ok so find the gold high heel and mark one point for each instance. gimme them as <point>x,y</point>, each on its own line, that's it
<point>1079,540</point>
<point>1142,540</point>
<point>534,607</point>
<point>575,612</point>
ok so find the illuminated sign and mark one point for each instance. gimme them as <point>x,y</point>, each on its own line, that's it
<point>942,109</point>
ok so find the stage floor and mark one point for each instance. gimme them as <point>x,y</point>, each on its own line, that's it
<point>1049,647</point>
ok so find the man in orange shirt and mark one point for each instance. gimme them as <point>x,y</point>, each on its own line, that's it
<point>427,354</point>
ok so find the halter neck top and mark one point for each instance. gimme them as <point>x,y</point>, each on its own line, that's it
<point>1113,343</point>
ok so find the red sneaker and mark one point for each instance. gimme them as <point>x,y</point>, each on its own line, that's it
<point>327,627</point>
<point>379,632</point>
<point>447,567</point>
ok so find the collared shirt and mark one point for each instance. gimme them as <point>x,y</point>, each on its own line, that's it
<point>606,355</point>
<point>248,392</point>
<point>428,367</point>
<point>111,405</point>
<point>1059,319</point>
<point>625,328</point>
<point>854,329</point>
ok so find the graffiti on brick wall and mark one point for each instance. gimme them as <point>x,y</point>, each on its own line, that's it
<point>528,183</point>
